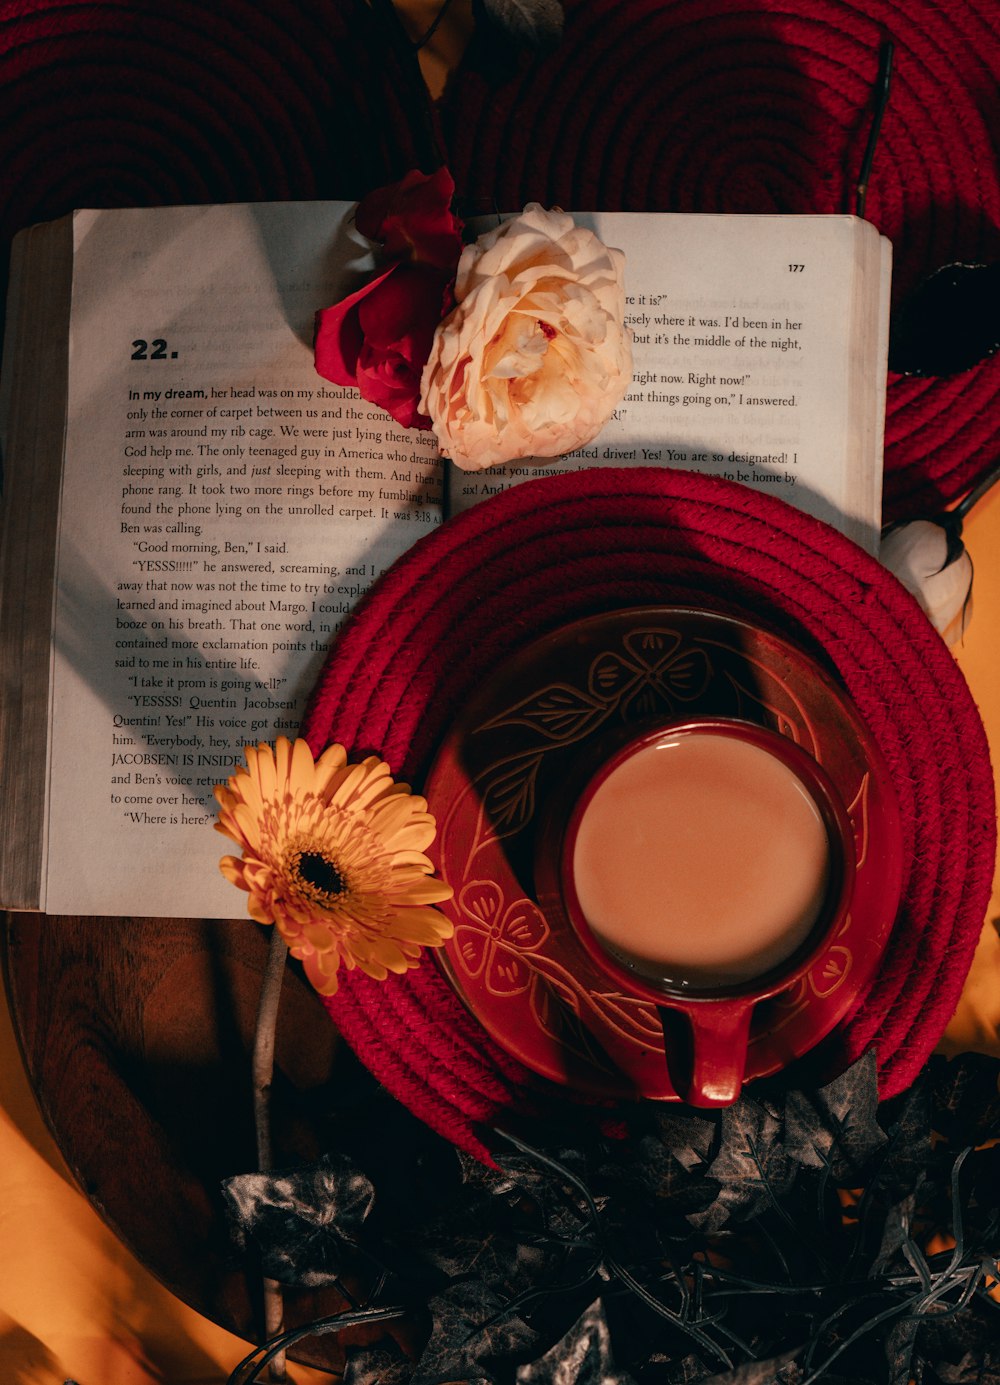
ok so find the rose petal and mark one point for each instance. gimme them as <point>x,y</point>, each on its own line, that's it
<point>534,357</point>
<point>413,219</point>
<point>338,337</point>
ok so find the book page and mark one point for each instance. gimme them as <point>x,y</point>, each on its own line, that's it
<point>223,509</point>
<point>759,356</point>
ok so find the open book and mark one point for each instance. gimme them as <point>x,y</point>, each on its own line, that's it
<point>190,511</point>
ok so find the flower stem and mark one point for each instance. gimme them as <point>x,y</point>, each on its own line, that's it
<point>263,1073</point>
<point>882,83</point>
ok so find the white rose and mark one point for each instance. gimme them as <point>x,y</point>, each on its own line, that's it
<point>534,357</point>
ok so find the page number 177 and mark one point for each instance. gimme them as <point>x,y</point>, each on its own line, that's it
<point>796,268</point>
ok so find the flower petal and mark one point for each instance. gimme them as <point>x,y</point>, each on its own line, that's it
<point>534,357</point>
<point>263,770</point>
<point>332,760</point>
<point>331,856</point>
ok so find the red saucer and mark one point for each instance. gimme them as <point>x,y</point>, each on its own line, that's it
<point>529,982</point>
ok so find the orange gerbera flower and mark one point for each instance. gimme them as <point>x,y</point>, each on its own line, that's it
<point>333,855</point>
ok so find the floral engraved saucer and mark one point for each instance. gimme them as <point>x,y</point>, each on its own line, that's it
<point>527,979</point>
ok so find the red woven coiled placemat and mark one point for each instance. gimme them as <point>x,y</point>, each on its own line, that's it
<point>560,547</point>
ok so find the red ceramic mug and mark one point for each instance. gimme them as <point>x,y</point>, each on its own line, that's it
<point>703,866</point>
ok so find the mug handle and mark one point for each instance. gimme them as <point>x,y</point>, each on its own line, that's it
<point>705,1046</point>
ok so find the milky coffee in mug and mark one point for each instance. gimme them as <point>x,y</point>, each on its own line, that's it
<point>703,867</point>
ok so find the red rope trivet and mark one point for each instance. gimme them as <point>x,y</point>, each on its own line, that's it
<point>560,547</point>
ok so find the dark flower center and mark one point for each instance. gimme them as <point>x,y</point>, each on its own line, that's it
<point>316,870</point>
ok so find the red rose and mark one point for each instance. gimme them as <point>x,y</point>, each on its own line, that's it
<point>378,339</point>
<point>413,220</point>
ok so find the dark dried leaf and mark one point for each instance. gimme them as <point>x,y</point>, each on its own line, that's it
<point>900,1341</point>
<point>972,1369</point>
<point>778,1370</point>
<point>966,1342</point>
<point>901,1164</point>
<point>966,1099</point>
<point>666,1181</point>
<point>582,1357</point>
<point>530,23</point>
<point>561,1210</point>
<point>751,1168</point>
<point>685,1370</point>
<point>493,1226</point>
<point>473,1338</point>
<point>896,1231</point>
<point>379,1364</point>
<point>689,1138</point>
<point>493,1255</point>
<point>837,1125</point>
<point>508,1258</point>
<point>306,1222</point>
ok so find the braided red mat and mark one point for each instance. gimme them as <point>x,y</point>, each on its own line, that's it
<point>646,105</point>
<point>553,549</point>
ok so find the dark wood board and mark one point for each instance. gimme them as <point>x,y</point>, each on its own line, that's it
<point>136,1035</point>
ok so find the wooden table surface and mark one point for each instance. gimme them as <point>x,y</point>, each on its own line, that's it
<point>139,1053</point>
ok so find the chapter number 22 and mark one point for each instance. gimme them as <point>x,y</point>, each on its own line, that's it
<point>141,351</point>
